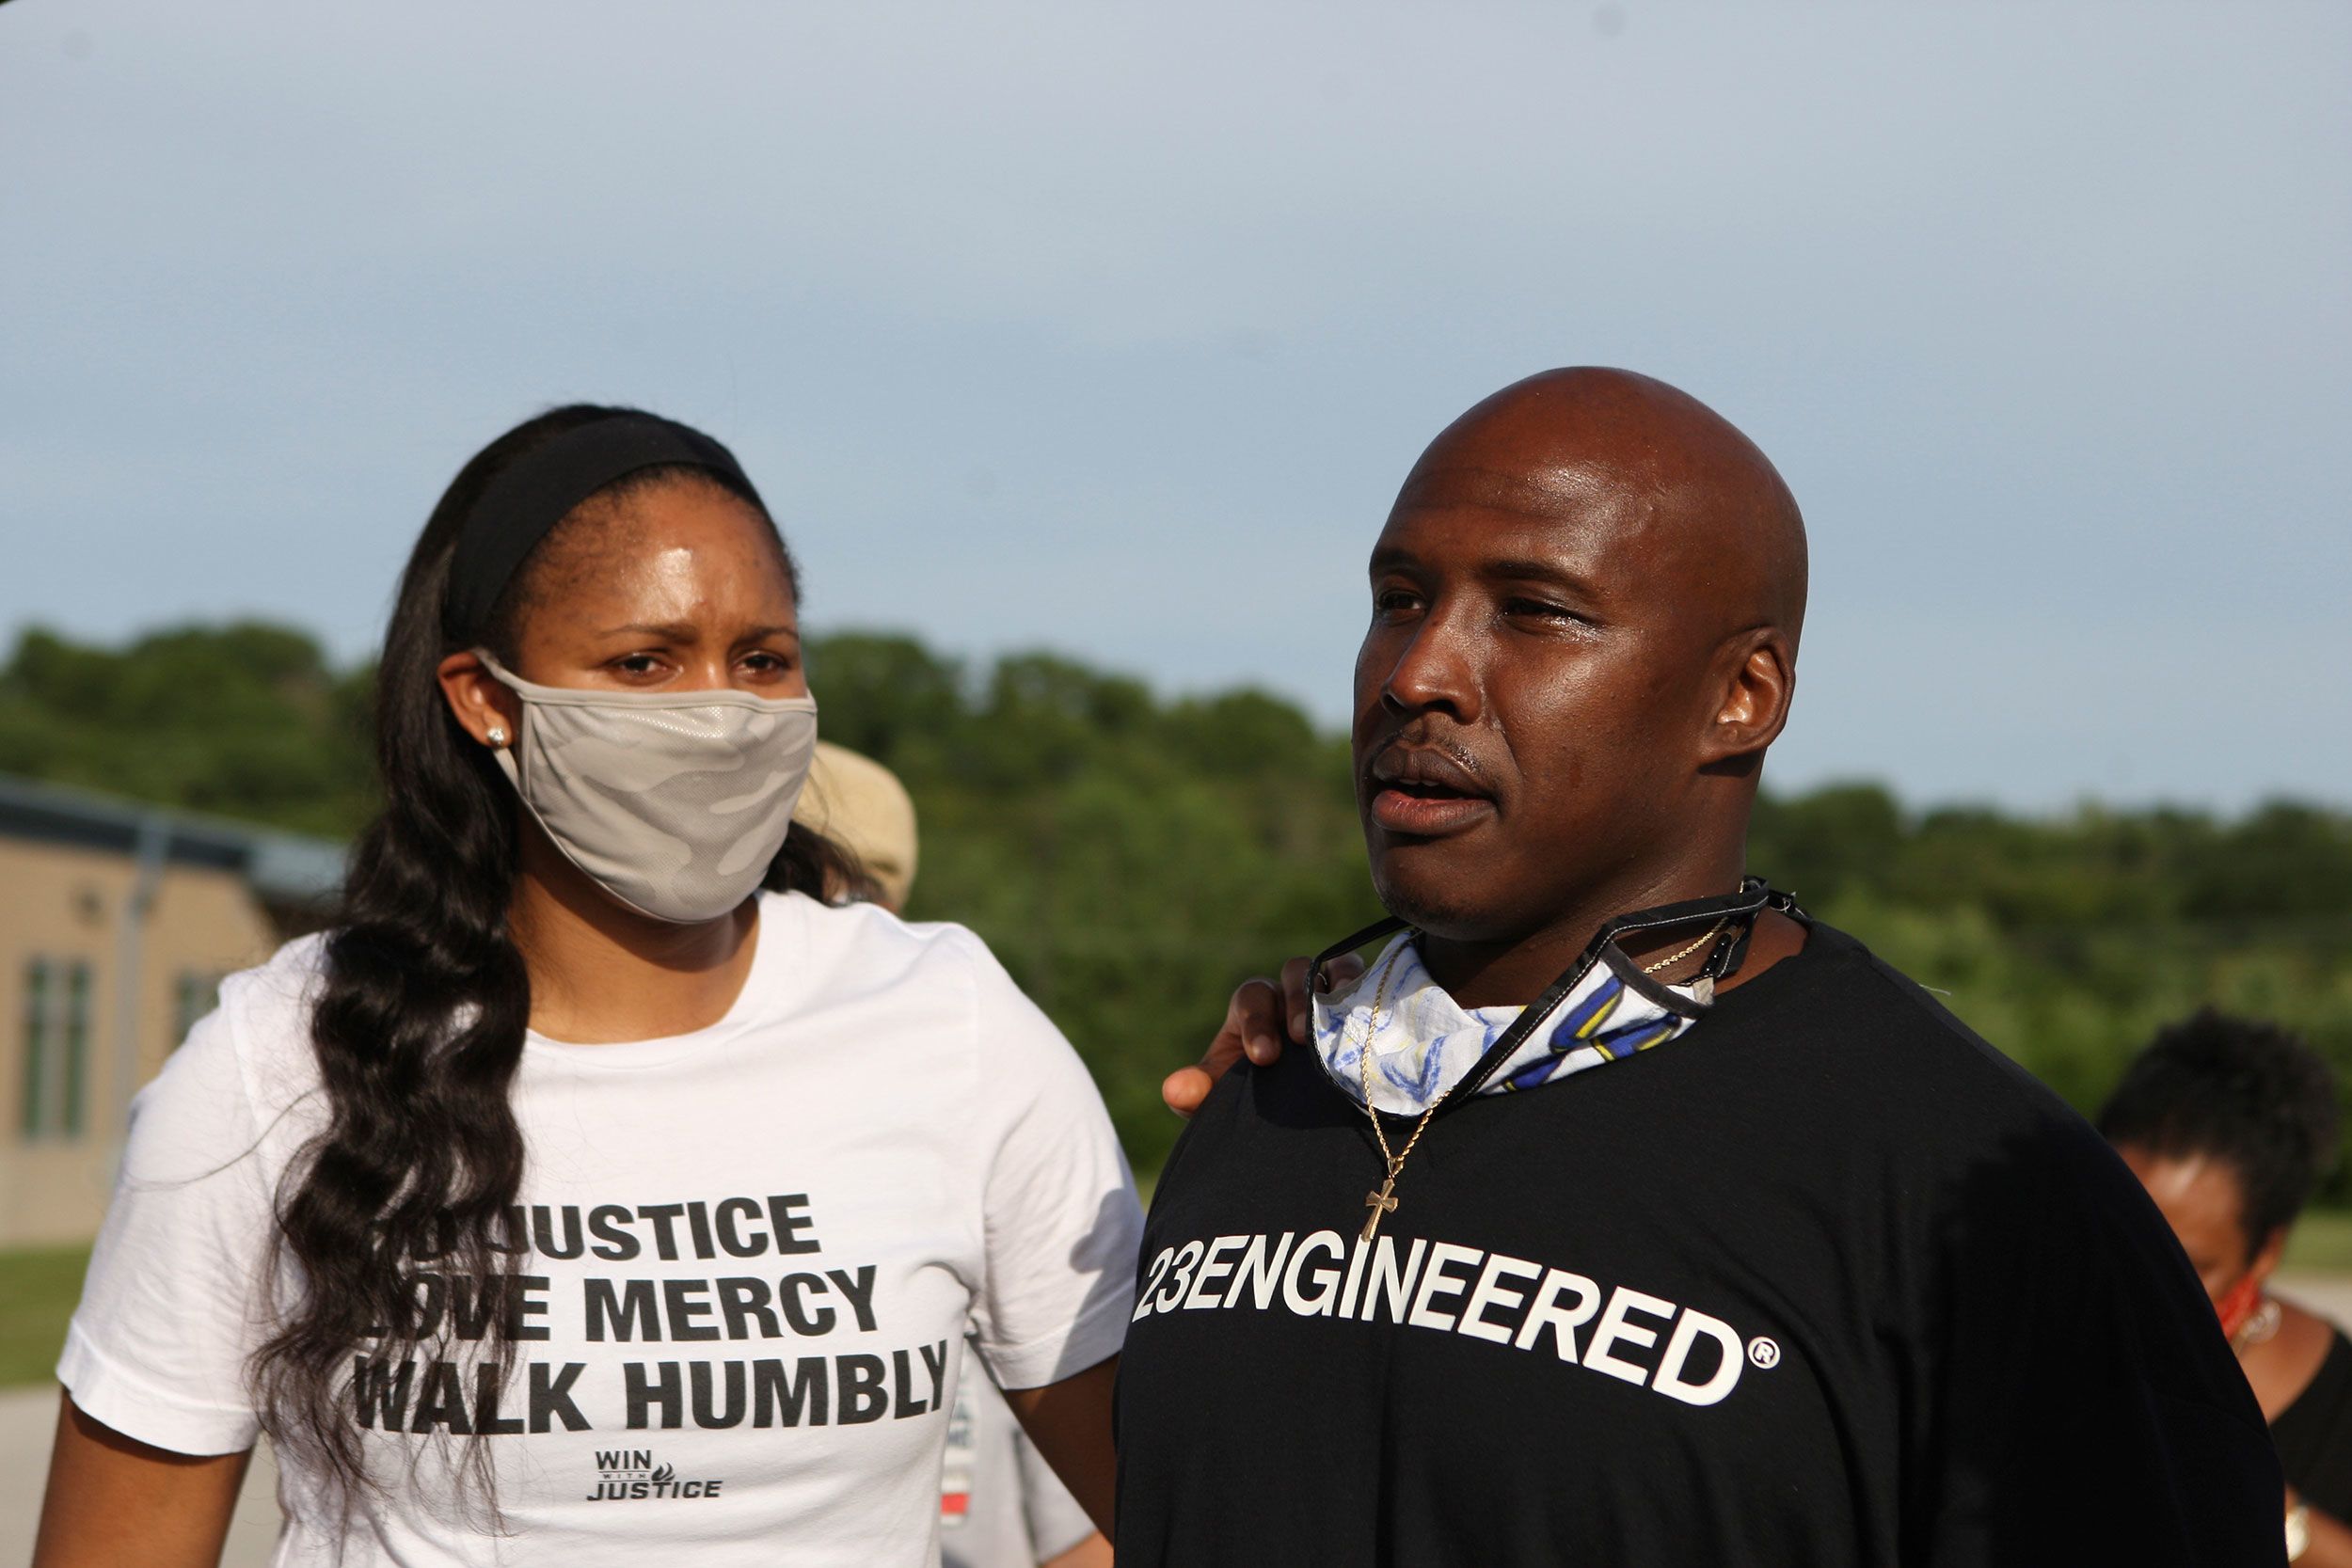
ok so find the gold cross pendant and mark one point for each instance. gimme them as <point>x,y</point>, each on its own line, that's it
<point>1380,1203</point>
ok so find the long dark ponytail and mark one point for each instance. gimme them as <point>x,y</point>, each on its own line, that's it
<point>417,1024</point>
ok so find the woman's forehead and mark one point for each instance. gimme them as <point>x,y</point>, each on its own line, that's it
<point>661,552</point>
<point>2192,1189</point>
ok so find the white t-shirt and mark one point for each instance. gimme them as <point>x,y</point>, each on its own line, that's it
<point>753,1252</point>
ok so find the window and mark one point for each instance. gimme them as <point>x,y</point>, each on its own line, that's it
<point>37,1047</point>
<point>57,1047</point>
<point>193,995</point>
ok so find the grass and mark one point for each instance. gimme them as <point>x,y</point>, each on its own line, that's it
<point>2322,1242</point>
<point>38,1287</point>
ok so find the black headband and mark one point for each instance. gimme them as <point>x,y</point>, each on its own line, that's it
<point>540,488</point>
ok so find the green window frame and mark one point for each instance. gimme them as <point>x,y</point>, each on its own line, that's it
<point>70,1117</point>
<point>194,993</point>
<point>56,1088</point>
<point>36,1049</point>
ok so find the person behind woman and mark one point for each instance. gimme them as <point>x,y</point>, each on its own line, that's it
<point>574,1200</point>
<point>1000,1505</point>
<point>2230,1124</point>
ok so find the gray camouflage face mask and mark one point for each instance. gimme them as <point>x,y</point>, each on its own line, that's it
<point>672,802</point>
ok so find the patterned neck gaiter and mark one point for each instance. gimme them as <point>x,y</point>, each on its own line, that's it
<point>1422,1042</point>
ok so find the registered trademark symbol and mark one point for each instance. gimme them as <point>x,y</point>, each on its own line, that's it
<point>1764,1353</point>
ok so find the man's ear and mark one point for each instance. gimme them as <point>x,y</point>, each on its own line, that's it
<point>485,709</point>
<point>1757,675</point>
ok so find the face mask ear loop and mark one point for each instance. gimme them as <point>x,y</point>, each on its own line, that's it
<point>510,761</point>
<point>499,742</point>
<point>509,753</point>
<point>500,673</point>
<point>512,766</point>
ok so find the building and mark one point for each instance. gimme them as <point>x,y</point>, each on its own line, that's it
<point>117,922</point>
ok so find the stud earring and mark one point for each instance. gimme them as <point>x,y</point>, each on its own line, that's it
<point>497,737</point>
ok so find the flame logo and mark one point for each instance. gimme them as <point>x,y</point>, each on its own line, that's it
<point>663,1475</point>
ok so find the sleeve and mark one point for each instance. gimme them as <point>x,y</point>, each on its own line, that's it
<point>170,1309</point>
<point>1055,1521</point>
<point>1060,1219</point>
<point>2078,1403</point>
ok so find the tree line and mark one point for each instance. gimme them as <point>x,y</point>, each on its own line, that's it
<point>1130,857</point>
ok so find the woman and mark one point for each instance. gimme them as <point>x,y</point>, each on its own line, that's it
<point>2230,1124</point>
<point>573,1199</point>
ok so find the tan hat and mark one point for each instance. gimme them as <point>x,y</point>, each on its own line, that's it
<point>860,805</point>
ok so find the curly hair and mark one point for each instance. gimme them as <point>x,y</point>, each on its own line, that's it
<point>2239,1090</point>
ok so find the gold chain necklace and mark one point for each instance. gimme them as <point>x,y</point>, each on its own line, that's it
<point>1383,1202</point>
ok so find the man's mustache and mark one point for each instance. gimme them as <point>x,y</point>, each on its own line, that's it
<point>1413,755</point>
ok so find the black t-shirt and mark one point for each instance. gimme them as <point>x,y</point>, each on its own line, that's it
<point>1826,1281</point>
<point>2314,1434</point>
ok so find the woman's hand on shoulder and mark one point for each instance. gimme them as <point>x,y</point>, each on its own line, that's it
<point>1260,1017</point>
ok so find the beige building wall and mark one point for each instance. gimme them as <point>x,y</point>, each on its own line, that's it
<point>62,902</point>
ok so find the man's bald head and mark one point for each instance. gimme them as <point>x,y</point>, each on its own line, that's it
<point>1672,477</point>
<point>1585,609</point>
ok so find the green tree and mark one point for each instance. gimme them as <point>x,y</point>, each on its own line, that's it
<point>246,720</point>
<point>1131,858</point>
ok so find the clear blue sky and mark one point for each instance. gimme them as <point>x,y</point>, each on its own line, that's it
<point>1113,327</point>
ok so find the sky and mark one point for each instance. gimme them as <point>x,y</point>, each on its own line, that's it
<point>1112,328</point>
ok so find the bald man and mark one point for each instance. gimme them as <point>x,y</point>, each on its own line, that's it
<point>1680,1230</point>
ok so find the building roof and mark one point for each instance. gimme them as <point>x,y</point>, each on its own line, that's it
<point>283,868</point>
